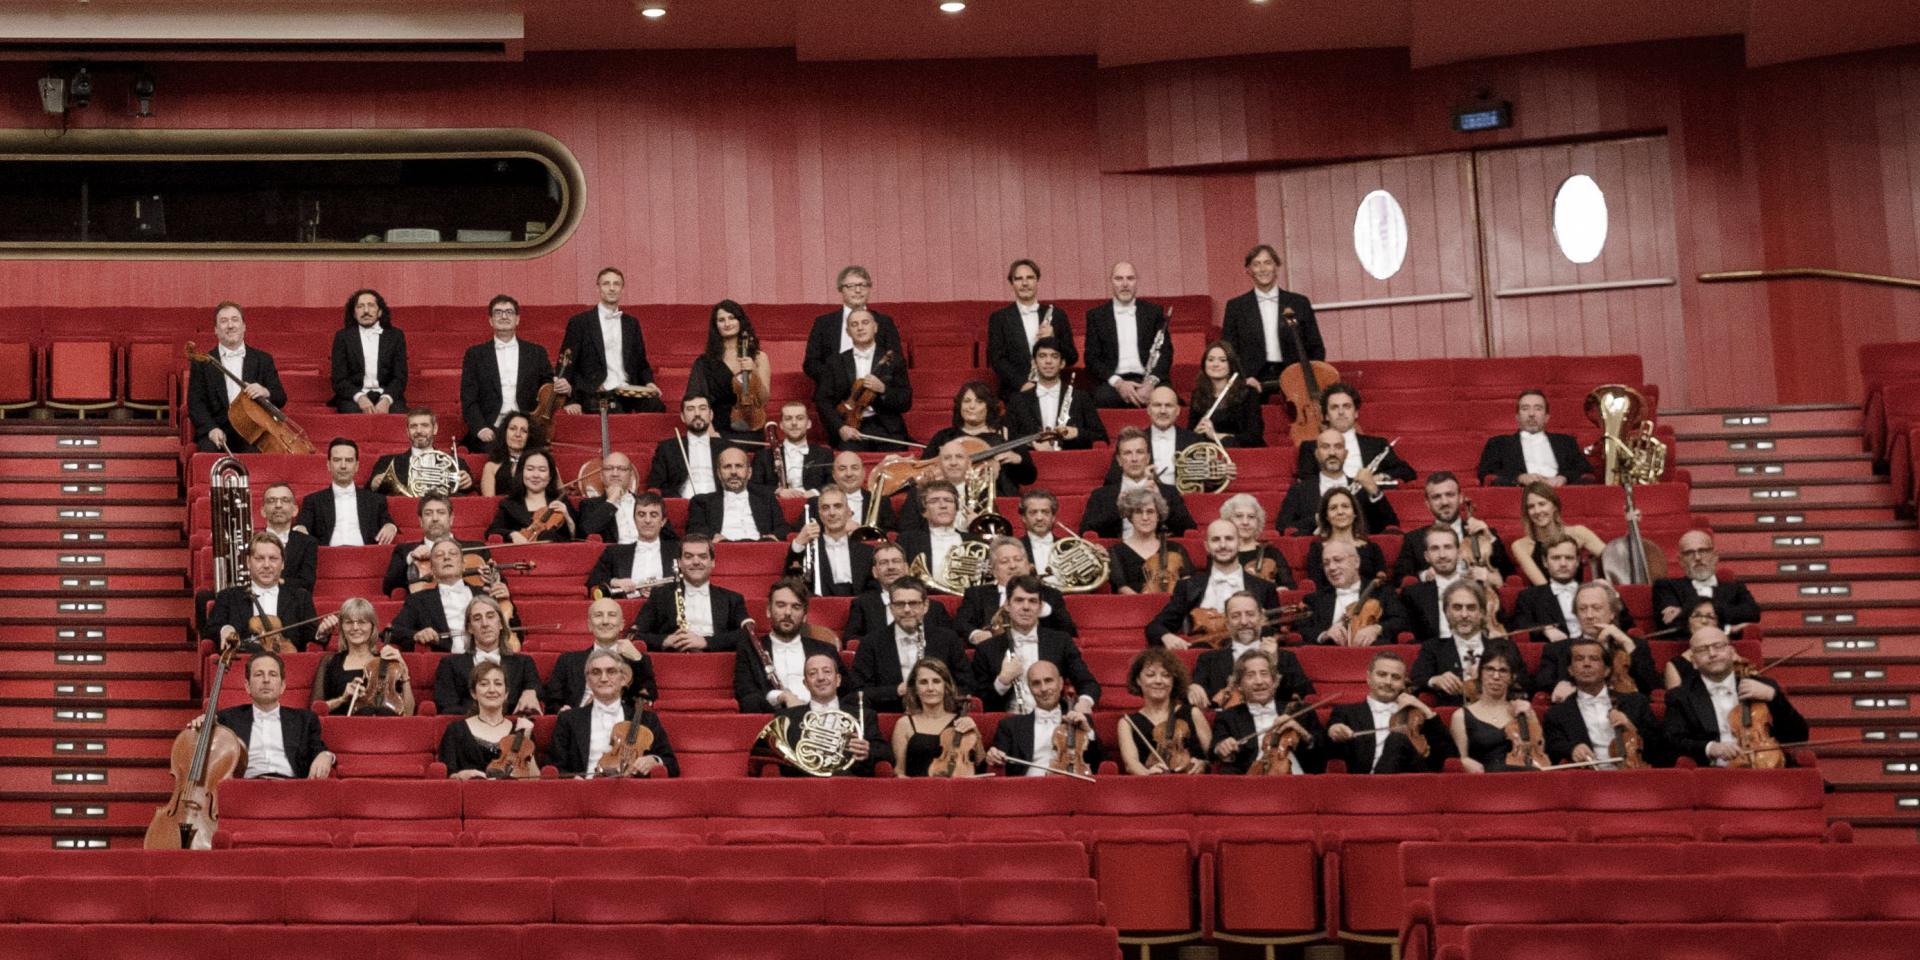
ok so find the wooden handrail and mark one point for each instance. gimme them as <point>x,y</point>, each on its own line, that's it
<point>1811,273</point>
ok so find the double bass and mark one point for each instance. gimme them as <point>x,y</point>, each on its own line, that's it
<point>257,421</point>
<point>200,761</point>
<point>1303,381</point>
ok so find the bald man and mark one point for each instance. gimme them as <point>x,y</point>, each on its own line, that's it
<point>1732,602</point>
<point>566,686</point>
<point>804,467</point>
<point>850,476</point>
<point>610,515</point>
<point>738,510</point>
<point>1120,337</point>
<point>1697,710</point>
<point>1300,511</point>
<point>1211,588</point>
<point>1329,604</point>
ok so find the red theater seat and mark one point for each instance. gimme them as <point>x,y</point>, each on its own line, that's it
<point>81,376</point>
<point>19,378</point>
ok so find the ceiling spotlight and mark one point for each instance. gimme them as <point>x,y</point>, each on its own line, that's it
<point>654,12</point>
<point>952,6</point>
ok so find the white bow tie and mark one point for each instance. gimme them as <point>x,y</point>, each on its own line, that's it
<point>1268,297</point>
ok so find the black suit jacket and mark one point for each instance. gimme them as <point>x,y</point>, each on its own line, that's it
<point>1320,615</point>
<point>400,569</point>
<point>597,516</point>
<point>869,614</point>
<point>1023,415</point>
<point>1536,606</point>
<point>1398,756</point>
<point>349,367</point>
<point>706,513</point>
<point>655,621</point>
<point>1555,657</point>
<point>207,393</point>
<point>1182,439</point>
<point>422,609</point>
<point>1241,326</point>
<point>233,607</point>
<point>668,470</point>
<point>876,665</point>
<point>1413,552</point>
<point>1013,736</point>
<point>919,544</point>
<point>575,727</point>
<point>1187,595</point>
<point>817,469</point>
<point>750,685</point>
<point>299,734</point>
<point>859,558</point>
<point>1732,601</point>
<point>1691,723</point>
<point>480,401</point>
<point>1420,604</point>
<point>1009,353</point>
<point>823,342</point>
<point>1564,728</point>
<point>566,686</point>
<point>878,749</point>
<point>1442,656</point>
<point>979,604</point>
<point>1214,670</point>
<point>1502,463</point>
<point>302,556</point>
<point>1300,512</point>
<point>1103,344</point>
<point>884,416</point>
<point>1102,513</point>
<point>1370,447</point>
<point>451,695</point>
<point>589,367</point>
<point>616,562</point>
<point>317,516</point>
<point>1055,648</point>
<point>1237,722</point>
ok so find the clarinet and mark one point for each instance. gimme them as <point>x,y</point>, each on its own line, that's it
<point>1153,352</point>
<point>813,548</point>
<point>1065,412</point>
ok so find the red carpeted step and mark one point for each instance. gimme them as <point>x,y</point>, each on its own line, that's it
<point>1902,770</point>
<point>82,776</point>
<point>1696,448</point>
<point>1867,674</point>
<point>81,555</point>
<point>1861,491</point>
<point>114,744</point>
<point>139,687</point>
<point>1781,470</point>
<point>1847,648</point>
<point>79,439</point>
<point>1891,802</point>
<point>1838,613</point>
<point>91,515</point>
<point>79,661</point>
<point>1833,588</point>
<point>90,489</point>
<point>1857,707</point>
<point>94,718</point>
<point>100,606</point>
<point>134,811</point>
<point>64,581</point>
<point>91,636</point>
<point>161,469</point>
<point>1776,419</point>
<point>1888,535</point>
<point>1747,568</point>
<point>157,536</point>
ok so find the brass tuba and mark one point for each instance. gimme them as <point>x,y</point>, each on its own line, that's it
<point>1202,467</point>
<point>1633,455</point>
<point>232,521</point>
<point>821,749</point>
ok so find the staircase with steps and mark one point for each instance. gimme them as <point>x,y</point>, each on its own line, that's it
<point>1799,514</point>
<point>96,666</point>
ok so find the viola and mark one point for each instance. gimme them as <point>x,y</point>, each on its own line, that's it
<point>1163,570</point>
<point>200,761</point>
<point>1070,750</point>
<point>1265,564</point>
<point>1170,741</point>
<point>854,408</point>
<point>1366,610</point>
<point>270,633</point>
<point>1628,746</point>
<point>1527,749</point>
<point>1278,745</point>
<point>1208,628</point>
<point>257,421</point>
<point>959,752</point>
<point>1409,722</point>
<point>1751,724</point>
<point>1302,383</point>
<point>384,694</point>
<point>549,517</point>
<point>515,761</point>
<point>546,403</point>
<point>1477,551</point>
<point>631,739</point>
<point>1620,670</point>
<point>749,394</point>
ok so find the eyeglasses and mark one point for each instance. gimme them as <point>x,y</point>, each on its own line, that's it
<point>856,285</point>
<point>505,313</point>
<point>907,604</point>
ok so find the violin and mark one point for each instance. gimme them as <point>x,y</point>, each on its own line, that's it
<point>515,761</point>
<point>1475,547</point>
<point>959,752</point>
<point>199,761</point>
<point>1208,628</point>
<point>258,421</point>
<point>1366,610</point>
<point>1628,747</point>
<point>1302,383</point>
<point>549,518</point>
<point>1409,722</point>
<point>1070,750</point>
<point>854,408</point>
<point>631,739</point>
<point>749,394</point>
<point>1163,570</point>
<point>1278,745</point>
<point>269,632</point>
<point>384,696</point>
<point>547,402</point>
<point>1620,670</point>
<point>1751,724</point>
<point>1265,564</point>
<point>1528,750</point>
<point>1170,741</point>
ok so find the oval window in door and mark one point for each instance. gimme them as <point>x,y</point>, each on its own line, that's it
<point>1380,235</point>
<point>1580,219</point>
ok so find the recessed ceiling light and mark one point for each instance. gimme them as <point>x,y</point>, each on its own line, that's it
<point>653,13</point>
<point>952,6</point>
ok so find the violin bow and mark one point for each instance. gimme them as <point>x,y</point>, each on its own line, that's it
<point>1055,770</point>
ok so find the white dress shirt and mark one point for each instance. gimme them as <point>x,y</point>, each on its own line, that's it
<point>267,599</point>
<point>1048,400</point>
<point>1382,719</point>
<point>699,466</point>
<point>1440,585</point>
<point>346,518</point>
<point>846,339</point>
<point>1563,594</point>
<point>1045,722</point>
<point>1269,304</point>
<point>1336,482</point>
<point>234,361</point>
<point>266,745</point>
<point>1042,547</point>
<point>616,353</point>
<point>862,362</point>
<point>699,601</point>
<point>1027,648</point>
<point>1264,717</point>
<point>909,647</point>
<point>600,734</point>
<point>825,706</point>
<point>1352,465</point>
<point>646,560</point>
<point>1726,696</point>
<point>736,516</point>
<point>839,563</point>
<point>1705,587</point>
<point>790,665</point>
<point>857,505</point>
<point>1593,711</point>
<point>1126,334</point>
<point>454,598</point>
<point>940,541</point>
<point>795,455</point>
<point>1161,442</point>
<point>1344,598</point>
<point>1220,586</point>
<point>284,536</point>
<point>627,531</point>
<point>370,353</point>
<point>1538,452</point>
<point>1030,321</point>
<point>1469,650</point>
<point>506,357</point>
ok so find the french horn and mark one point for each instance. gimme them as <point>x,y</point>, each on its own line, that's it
<point>823,747</point>
<point>965,566</point>
<point>1202,467</point>
<point>1076,566</point>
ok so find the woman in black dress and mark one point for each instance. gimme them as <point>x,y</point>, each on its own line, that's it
<point>1237,421</point>
<point>1341,519</point>
<point>342,679</point>
<point>977,413</point>
<point>502,470</point>
<point>932,705</point>
<point>536,491</point>
<point>1154,676</point>
<point>1148,547</point>
<point>468,745</point>
<point>713,371</point>
<point>1479,728</point>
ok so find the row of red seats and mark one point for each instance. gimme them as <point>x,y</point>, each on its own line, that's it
<point>87,376</point>
<point>241,941</point>
<point>1888,372</point>
<point>1801,940</point>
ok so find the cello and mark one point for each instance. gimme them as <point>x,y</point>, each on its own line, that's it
<point>257,421</point>
<point>1303,381</point>
<point>200,761</point>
